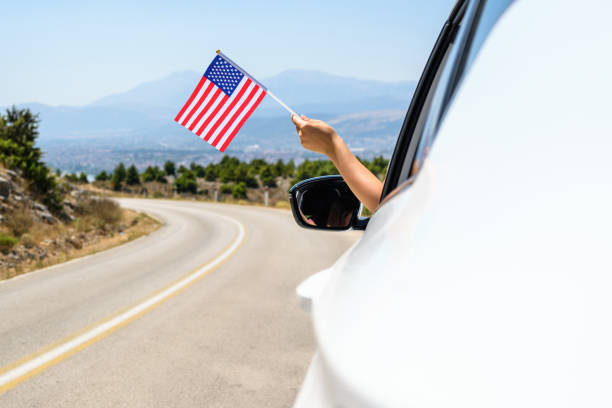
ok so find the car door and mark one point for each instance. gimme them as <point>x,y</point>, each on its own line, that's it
<point>357,331</point>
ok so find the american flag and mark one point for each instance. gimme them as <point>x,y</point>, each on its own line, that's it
<point>220,104</point>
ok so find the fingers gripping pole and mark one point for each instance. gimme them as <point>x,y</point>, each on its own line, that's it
<point>282,103</point>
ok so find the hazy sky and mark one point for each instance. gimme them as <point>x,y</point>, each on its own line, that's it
<point>74,52</point>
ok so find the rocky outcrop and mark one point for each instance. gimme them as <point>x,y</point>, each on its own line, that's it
<point>5,188</point>
<point>13,196</point>
<point>35,236</point>
<point>28,253</point>
<point>42,212</point>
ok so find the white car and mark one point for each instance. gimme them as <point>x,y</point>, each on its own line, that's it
<point>484,279</point>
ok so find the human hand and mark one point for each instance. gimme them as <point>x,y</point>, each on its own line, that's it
<point>316,135</point>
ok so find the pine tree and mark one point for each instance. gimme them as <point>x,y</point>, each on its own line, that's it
<point>267,176</point>
<point>170,168</point>
<point>132,177</point>
<point>102,176</point>
<point>18,134</point>
<point>119,176</point>
<point>186,183</point>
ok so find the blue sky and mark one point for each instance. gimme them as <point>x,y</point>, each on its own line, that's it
<point>74,52</point>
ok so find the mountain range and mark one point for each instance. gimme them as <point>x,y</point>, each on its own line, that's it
<point>137,126</point>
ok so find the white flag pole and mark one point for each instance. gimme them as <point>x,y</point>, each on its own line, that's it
<point>282,103</point>
<point>257,82</point>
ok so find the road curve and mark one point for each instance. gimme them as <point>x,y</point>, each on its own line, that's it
<point>200,313</point>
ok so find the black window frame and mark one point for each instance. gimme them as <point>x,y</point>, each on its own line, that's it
<point>406,146</point>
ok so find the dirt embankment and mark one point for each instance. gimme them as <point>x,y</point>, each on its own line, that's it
<point>32,237</point>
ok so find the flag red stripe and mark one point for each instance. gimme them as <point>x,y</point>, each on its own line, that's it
<point>198,103</point>
<point>229,108</point>
<point>244,118</point>
<point>213,114</point>
<point>235,115</point>
<point>206,108</point>
<point>193,95</point>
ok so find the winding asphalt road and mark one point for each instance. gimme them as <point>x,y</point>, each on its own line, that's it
<point>200,313</point>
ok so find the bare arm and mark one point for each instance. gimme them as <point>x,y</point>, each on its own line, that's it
<point>319,137</point>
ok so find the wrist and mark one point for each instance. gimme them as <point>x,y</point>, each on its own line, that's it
<point>335,147</point>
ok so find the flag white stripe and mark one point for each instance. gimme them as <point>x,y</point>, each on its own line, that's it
<point>210,110</point>
<point>239,118</point>
<point>194,102</point>
<point>211,124</point>
<point>241,102</point>
<point>202,106</point>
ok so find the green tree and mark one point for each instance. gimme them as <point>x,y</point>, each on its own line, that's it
<point>132,177</point>
<point>267,176</point>
<point>229,161</point>
<point>289,169</point>
<point>160,176</point>
<point>378,166</point>
<point>200,172</point>
<point>72,177</point>
<point>227,168</point>
<point>149,174</point>
<point>119,176</point>
<point>242,174</point>
<point>18,134</point>
<point>314,168</point>
<point>226,174</point>
<point>302,172</point>
<point>83,178</point>
<point>197,169</point>
<point>186,183</point>
<point>279,168</point>
<point>226,189</point>
<point>211,173</point>
<point>239,190</point>
<point>170,168</point>
<point>102,176</point>
<point>256,165</point>
<point>154,173</point>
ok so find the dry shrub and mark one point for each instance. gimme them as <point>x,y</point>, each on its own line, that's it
<point>27,240</point>
<point>19,221</point>
<point>282,204</point>
<point>84,223</point>
<point>102,213</point>
<point>41,231</point>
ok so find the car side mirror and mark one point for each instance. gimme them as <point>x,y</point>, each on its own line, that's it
<point>326,203</point>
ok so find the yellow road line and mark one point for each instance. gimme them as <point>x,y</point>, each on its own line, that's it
<point>35,363</point>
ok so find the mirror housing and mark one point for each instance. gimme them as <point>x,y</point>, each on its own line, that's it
<point>326,203</point>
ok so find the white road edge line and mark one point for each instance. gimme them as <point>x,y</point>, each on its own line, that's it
<point>70,345</point>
